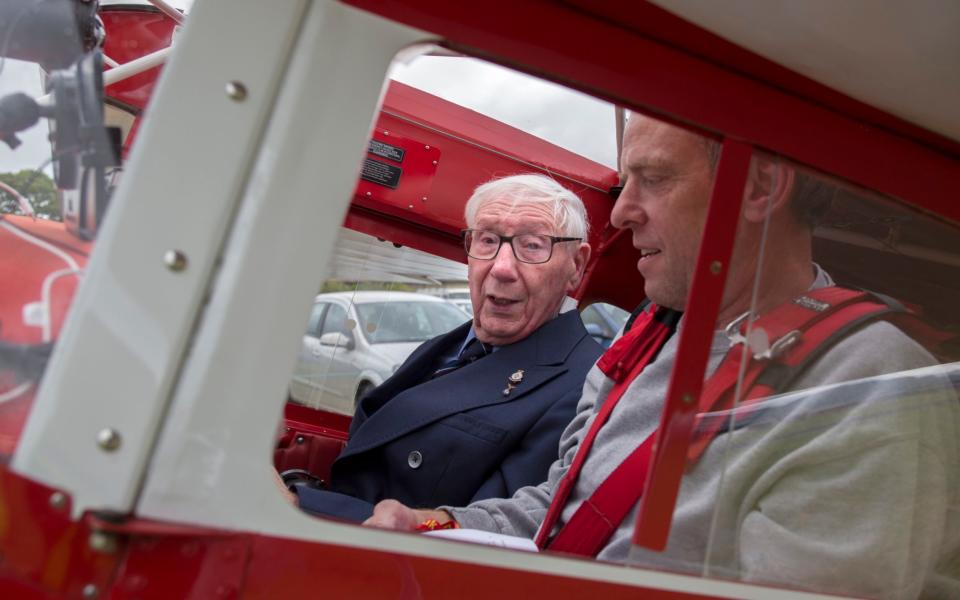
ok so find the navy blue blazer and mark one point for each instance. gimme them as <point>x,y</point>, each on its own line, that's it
<point>457,438</point>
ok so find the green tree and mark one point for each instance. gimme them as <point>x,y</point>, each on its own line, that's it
<point>42,194</point>
<point>333,285</point>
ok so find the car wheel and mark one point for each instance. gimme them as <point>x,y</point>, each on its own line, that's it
<point>362,389</point>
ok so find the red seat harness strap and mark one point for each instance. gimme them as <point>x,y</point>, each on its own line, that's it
<point>622,363</point>
<point>812,322</point>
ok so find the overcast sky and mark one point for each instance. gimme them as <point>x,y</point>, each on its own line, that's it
<point>575,121</point>
<point>569,119</point>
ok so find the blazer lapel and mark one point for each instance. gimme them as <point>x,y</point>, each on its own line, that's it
<point>541,357</point>
<point>414,370</point>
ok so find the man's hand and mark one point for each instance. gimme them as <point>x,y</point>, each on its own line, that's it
<point>390,514</point>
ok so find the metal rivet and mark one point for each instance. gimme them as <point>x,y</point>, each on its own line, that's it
<point>423,198</point>
<point>108,439</point>
<point>715,267</point>
<point>386,133</point>
<point>300,439</point>
<point>426,147</point>
<point>175,260</point>
<point>687,399</point>
<point>90,591</point>
<point>415,459</point>
<point>102,542</point>
<point>58,500</point>
<point>434,163</point>
<point>369,194</point>
<point>237,91</point>
<point>409,206</point>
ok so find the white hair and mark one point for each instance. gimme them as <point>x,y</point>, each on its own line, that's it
<point>568,212</point>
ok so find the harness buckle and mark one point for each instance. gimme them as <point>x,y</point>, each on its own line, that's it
<point>757,340</point>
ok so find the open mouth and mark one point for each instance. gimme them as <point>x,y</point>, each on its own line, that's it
<point>500,301</point>
<point>646,253</point>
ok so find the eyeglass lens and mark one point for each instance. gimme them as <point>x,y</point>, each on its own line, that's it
<point>527,247</point>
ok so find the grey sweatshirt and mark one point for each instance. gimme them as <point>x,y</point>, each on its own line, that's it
<point>846,489</point>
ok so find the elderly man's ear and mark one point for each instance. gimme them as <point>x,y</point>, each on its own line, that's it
<point>769,187</point>
<point>580,258</point>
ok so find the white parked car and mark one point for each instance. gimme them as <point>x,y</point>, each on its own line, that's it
<point>459,295</point>
<point>355,340</point>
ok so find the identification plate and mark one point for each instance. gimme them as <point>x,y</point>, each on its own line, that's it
<point>394,153</point>
<point>380,173</point>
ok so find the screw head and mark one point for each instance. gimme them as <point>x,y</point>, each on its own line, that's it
<point>90,591</point>
<point>102,542</point>
<point>715,267</point>
<point>236,91</point>
<point>175,260</point>
<point>108,439</point>
<point>58,500</point>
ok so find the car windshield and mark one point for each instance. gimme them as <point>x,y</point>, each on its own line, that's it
<point>393,322</point>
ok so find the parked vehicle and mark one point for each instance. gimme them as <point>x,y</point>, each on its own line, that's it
<point>459,295</point>
<point>355,340</point>
<point>603,321</point>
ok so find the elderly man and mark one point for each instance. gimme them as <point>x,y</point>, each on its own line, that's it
<point>477,413</point>
<point>850,488</point>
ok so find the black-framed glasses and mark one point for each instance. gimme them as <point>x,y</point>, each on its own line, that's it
<point>533,248</point>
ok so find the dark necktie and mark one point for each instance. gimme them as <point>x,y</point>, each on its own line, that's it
<point>474,350</point>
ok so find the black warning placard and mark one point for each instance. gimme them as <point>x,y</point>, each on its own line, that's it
<point>394,153</point>
<point>381,173</point>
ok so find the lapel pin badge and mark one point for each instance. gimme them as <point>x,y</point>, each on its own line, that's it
<point>513,381</point>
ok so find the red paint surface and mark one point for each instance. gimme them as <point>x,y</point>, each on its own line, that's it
<point>132,33</point>
<point>42,552</point>
<point>278,567</point>
<point>620,64</point>
<point>45,554</point>
<point>653,22</point>
<point>30,254</point>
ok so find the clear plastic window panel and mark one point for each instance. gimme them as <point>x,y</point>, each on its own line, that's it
<point>379,304</point>
<point>826,454</point>
<point>57,165</point>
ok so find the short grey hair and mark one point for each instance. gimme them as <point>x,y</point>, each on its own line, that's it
<point>812,194</point>
<point>568,211</point>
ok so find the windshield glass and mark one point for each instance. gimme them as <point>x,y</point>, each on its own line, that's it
<point>392,322</point>
<point>825,452</point>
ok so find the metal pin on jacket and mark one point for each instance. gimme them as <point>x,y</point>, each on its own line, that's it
<point>513,381</point>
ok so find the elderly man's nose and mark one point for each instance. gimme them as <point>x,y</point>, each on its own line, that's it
<point>504,263</point>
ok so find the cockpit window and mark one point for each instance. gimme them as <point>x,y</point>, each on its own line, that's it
<point>412,321</point>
